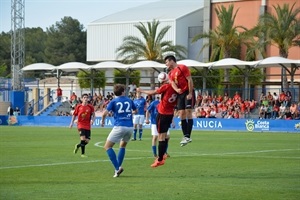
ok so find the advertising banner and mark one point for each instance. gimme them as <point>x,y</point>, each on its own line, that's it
<point>209,124</point>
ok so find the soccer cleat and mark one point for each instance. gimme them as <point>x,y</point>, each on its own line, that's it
<point>158,163</point>
<point>133,139</point>
<point>76,148</point>
<point>83,156</point>
<point>185,141</point>
<point>118,172</point>
<point>189,140</point>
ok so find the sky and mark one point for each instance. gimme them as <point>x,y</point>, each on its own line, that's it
<point>45,13</point>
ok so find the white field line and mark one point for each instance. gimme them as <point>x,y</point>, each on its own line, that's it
<point>137,158</point>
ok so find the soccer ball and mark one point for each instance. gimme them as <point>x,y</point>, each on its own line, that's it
<point>162,77</point>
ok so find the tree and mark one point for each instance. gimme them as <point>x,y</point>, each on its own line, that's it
<point>85,79</point>
<point>225,39</point>
<point>35,45</point>
<point>133,76</point>
<point>282,30</point>
<point>5,56</point>
<point>66,42</point>
<point>152,47</point>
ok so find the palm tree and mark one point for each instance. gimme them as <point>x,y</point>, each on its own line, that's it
<point>151,47</point>
<point>283,31</point>
<point>225,39</point>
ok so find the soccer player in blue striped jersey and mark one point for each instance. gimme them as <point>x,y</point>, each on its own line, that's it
<point>151,114</point>
<point>139,117</point>
<point>122,108</point>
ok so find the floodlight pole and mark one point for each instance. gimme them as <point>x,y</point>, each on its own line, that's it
<point>17,41</point>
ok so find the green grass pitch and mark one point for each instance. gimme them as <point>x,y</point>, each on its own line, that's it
<point>38,163</point>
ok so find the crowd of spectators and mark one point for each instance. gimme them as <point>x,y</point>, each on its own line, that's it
<point>269,106</point>
<point>223,106</point>
<point>273,106</point>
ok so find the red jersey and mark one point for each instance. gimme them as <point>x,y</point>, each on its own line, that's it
<point>58,92</point>
<point>178,76</point>
<point>168,99</point>
<point>84,114</point>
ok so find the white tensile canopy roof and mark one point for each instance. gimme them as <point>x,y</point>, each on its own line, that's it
<point>290,65</point>
<point>194,63</point>
<point>73,67</point>
<point>38,66</point>
<point>110,65</point>
<point>147,64</point>
<point>228,63</point>
<point>277,61</point>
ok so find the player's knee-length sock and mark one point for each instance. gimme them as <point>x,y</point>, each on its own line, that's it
<point>167,144</point>
<point>161,150</point>
<point>190,124</point>
<point>184,127</point>
<point>82,145</point>
<point>113,158</point>
<point>134,133</point>
<point>140,133</point>
<point>121,156</point>
<point>154,150</point>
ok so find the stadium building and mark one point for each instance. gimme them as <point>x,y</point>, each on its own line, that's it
<point>186,18</point>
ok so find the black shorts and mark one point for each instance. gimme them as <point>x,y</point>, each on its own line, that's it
<point>85,132</point>
<point>184,103</point>
<point>163,123</point>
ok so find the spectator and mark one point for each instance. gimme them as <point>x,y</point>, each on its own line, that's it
<point>237,96</point>
<point>132,87</point>
<point>282,109</point>
<point>236,114</point>
<point>261,98</point>
<point>201,113</point>
<point>73,99</point>
<point>270,97</point>
<point>30,110</point>
<point>275,111</point>
<point>269,109</point>
<point>212,113</point>
<point>287,114</point>
<point>294,110</point>
<point>10,110</point>
<point>17,111</point>
<point>275,96</point>
<point>59,94</point>
<point>199,99</point>
<point>281,96</point>
<point>262,111</point>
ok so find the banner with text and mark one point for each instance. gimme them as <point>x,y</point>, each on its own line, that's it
<point>210,124</point>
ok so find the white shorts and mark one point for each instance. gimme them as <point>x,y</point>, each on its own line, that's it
<point>154,130</point>
<point>119,133</point>
<point>138,119</point>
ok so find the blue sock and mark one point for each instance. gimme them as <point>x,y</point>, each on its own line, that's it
<point>113,158</point>
<point>140,133</point>
<point>134,133</point>
<point>154,150</point>
<point>121,156</point>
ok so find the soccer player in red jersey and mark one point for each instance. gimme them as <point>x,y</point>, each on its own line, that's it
<point>165,113</point>
<point>182,83</point>
<point>85,115</point>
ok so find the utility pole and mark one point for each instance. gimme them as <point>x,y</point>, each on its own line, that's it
<point>17,42</point>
